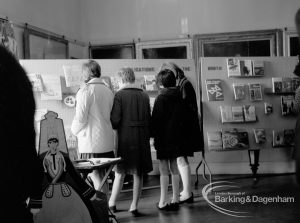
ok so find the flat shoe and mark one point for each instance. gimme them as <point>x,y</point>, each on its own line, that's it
<point>174,206</point>
<point>136,213</point>
<point>164,208</point>
<point>189,200</point>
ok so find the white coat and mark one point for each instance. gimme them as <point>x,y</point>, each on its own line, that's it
<point>91,123</point>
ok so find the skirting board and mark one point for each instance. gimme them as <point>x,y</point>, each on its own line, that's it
<point>239,168</point>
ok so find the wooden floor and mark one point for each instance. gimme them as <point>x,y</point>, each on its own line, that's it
<point>200,211</point>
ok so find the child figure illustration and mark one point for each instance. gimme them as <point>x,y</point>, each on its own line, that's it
<point>66,197</point>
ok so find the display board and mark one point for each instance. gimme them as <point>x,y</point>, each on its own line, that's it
<point>214,75</point>
<point>49,70</point>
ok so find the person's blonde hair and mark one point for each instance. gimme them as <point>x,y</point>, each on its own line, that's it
<point>127,75</point>
<point>93,68</point>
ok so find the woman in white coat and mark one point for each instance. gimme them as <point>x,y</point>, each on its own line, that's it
<point>91,123</point>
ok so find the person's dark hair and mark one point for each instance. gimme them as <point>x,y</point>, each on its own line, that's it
<point>297,17</point>
<point>17,105</point>
<point>52,140</point>
<point>166,78</point>
<point>94,68</point>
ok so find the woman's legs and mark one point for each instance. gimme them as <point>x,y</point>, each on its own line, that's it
<point>164,182</point>
<point>175,180</point>
<point>96,177</point>
<point>185,173</point>
<point>137,189</point>
<point>117,186</point>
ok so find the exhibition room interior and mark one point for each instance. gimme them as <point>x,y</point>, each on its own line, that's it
<point>240,57</point>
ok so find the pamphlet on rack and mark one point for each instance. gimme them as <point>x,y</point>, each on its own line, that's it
<point>214,140</point>
<point>36,82</point>
<point>239,91</point>
<point>52,88</point>
<point>233,67</point>
<point>73,75</point>
<point>214,90</point>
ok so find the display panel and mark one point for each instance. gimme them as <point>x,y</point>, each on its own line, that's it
<point>248,104</point>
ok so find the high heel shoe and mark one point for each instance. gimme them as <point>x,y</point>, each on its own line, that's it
<point>136,213</point>
<point>169,207</point>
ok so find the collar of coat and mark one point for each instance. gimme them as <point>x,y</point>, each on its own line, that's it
<point>130,86</point>
<point>95,80</point>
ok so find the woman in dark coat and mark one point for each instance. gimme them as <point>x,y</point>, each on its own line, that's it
<point>130,116</point>
<point>169,125</point>
<point>194,136</point>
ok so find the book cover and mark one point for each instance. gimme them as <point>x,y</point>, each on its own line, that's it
<point>277,84</point>
<point>226,114</point>
<point>255,92</point>
<point>214,140</point>
<point>233,67</point>
<point>246,68</point>
<point>235,139</point>
<point>286,84</point>
<point>260,136</point>
<point>295,83</point>
<point>239,91</point>
<point>278,138</point>
<point>268,108</point>
<point>150,83</point>
<point>214,90</point>
<point>258,68</point>
<point>237,114</point>
<point>289,137</point>
<point>287,105</point>
<point>36,82</point>
<point>249,113</point>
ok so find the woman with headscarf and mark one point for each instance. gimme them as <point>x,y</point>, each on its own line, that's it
<point>194,138</point>
<point>130,116</point>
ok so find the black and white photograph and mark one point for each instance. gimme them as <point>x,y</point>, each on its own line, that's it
<point>150,111</point>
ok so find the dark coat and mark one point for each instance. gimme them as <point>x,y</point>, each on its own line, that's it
<point>194,139</point>
<point>21,173</point>
<point>130,116</point>
<point>169,124</point>
<point>297,148</point>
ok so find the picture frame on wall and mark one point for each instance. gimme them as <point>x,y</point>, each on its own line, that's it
<point>257,43</point>
<point>165,49</point>
<point>39,44</point>
<point>291,42</point>
<point>115,51</point>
